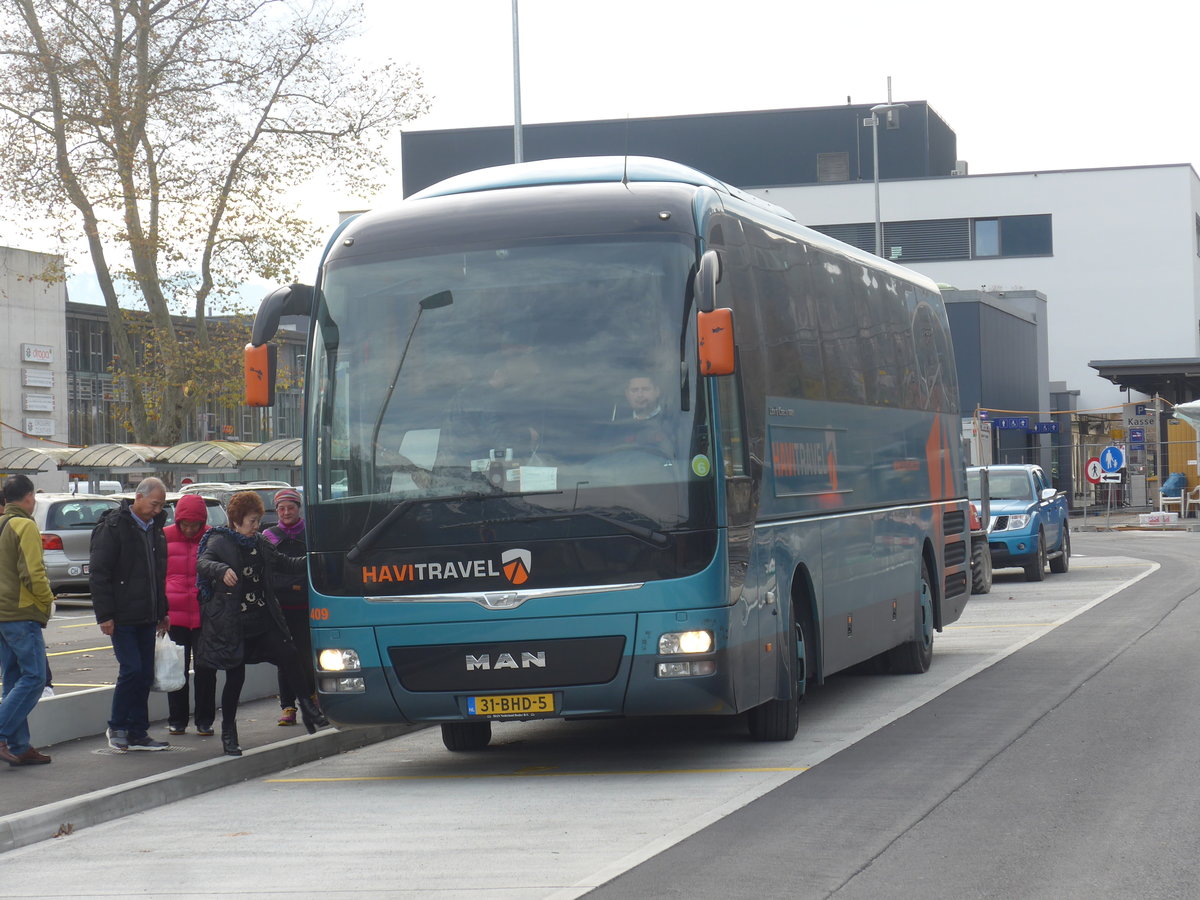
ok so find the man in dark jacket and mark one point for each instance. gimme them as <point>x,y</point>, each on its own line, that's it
<point>129,596</point>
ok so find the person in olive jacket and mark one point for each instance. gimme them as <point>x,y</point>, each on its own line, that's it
<point>26,602</point>
<point>240,618</point>
<point>128,581</point>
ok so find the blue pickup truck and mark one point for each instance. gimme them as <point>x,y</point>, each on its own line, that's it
<point>1029,523</point>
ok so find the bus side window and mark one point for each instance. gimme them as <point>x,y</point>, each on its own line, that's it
<point>733,443</point>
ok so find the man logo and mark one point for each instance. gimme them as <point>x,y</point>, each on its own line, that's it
<point>517,565</point>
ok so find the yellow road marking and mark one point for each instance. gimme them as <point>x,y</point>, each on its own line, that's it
<point>81,624</point>
<point>530,774</point>
<point>84,650</point>
<point>61,684</point>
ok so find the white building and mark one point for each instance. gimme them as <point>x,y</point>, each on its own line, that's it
<point>1116,252</point>
<point>33,366</point>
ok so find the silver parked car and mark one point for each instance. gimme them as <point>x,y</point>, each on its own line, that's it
<point>66,522</point>
<point>216,512</point>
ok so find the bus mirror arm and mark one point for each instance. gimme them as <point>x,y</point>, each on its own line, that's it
<point>290,300</point>
<point>708,276</point>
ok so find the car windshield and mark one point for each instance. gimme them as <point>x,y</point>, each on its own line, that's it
<point>495,386</point>
<point>1001,485</point>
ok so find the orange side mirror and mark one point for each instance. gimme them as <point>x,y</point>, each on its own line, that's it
<point>259,364</point>
<point>714,333</point>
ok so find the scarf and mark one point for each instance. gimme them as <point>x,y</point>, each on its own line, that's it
<point>291,531</point>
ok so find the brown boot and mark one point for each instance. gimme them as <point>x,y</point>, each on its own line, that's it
<point>7,755</point>
<point>31,757</point>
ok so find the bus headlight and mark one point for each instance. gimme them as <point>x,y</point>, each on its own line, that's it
<point>338,661</point>
<point>685,642</point>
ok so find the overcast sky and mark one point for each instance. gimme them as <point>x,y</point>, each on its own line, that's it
<point>1025,85</point>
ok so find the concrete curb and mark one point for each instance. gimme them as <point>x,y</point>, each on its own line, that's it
<point>68,816</point>
<point>66,717</point>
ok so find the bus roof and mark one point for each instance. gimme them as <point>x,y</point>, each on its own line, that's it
<point>588,170</point>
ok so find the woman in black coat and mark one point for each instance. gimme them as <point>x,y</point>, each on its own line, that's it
<point>240,618</point>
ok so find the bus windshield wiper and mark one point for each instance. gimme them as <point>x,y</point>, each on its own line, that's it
<point>641,532</point>
<point>401,509</point>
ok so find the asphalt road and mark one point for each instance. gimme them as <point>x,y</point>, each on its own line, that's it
<point>1066,770</point>
<point>1047,753</point>
<point>80,656</point>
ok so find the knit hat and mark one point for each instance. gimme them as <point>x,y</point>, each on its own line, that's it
<point>288,494</point>
<point>191,508</point>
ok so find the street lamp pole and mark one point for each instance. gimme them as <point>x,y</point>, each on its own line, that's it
<point>873,124</point>
<point>518,142</point>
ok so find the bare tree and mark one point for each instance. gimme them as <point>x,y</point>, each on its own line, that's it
<point>171,133</point>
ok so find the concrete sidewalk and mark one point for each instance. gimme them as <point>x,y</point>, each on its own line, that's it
<point>89,783</point>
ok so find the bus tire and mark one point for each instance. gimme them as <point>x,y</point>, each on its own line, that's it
<point>1062,562</point>
<point>465,736</point>
<point>1036,570</point>
<point>981,567</point>
<point>779,720</point>
<point>915,656</point>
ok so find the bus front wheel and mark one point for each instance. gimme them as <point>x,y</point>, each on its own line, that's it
<point>460,736</point>
<point>779,719</point>
<point>914,657</point>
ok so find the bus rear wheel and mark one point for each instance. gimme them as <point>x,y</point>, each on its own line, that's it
<point>915,656</point>
<point>779,719</point>
<point>463,736</point>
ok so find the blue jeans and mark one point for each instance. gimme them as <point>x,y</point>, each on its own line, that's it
<point>23,668</point>
<point>133,645</point>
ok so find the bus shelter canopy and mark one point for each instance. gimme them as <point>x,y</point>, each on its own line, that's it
<point>203,457</point>
<point>114,458</point>
<point>282,452</point>
<point>32,460</point>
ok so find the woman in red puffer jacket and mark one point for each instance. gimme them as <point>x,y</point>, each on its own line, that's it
<point>183,542</point>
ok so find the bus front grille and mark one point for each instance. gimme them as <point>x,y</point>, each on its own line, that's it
<point>508,665</point>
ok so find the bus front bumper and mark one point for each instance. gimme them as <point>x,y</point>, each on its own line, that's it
<point>594,666</point>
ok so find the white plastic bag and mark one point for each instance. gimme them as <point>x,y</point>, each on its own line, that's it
<point>168,665</point>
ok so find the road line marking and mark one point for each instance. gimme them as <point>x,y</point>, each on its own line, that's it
<point>526,774</point>
<point>80,625</point>
<point>61,684</point>
<point>1000,625</point>
<point>84,650</point>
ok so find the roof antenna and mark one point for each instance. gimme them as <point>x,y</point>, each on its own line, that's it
<point>625,168</point>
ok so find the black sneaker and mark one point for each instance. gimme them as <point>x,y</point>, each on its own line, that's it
<point>145,742</point>
<point>176,729</point>
<point>204,730</point>
<point>118,738</point>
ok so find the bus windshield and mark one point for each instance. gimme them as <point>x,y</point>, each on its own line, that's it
<point>507,392</point>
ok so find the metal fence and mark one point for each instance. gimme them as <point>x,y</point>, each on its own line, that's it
<point>1146,468</point>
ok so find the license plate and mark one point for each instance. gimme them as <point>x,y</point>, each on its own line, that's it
<point>511,705</point>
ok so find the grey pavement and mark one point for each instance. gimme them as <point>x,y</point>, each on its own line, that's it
<point>88,783</point>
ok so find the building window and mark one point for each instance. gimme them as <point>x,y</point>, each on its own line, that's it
<point>96,350</point>
<point>860,235</point>
<point>932,240</point>
<point>927,240</point>
<point>833,167</point>
<point>987,237</point>
<point>72,350</point>
<point>1013,236</point>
